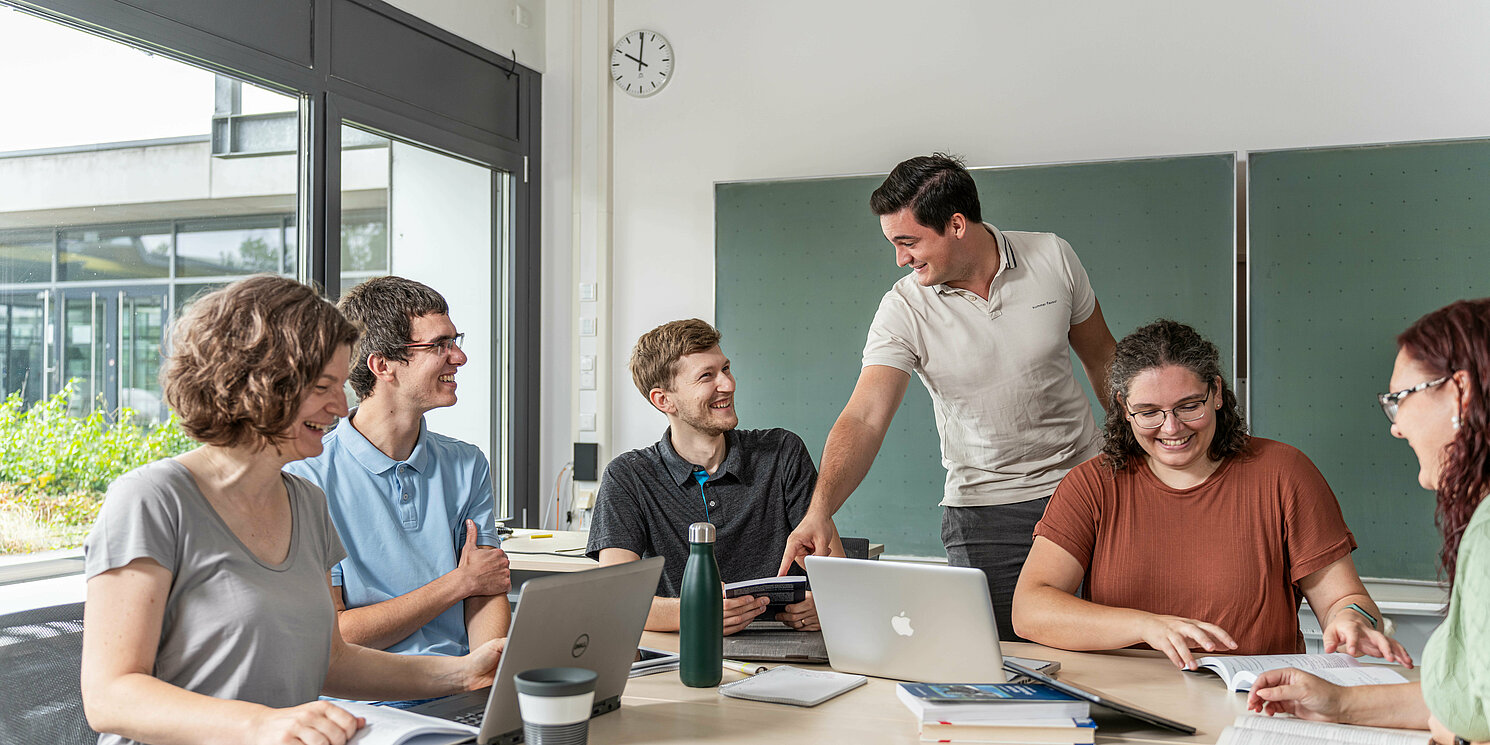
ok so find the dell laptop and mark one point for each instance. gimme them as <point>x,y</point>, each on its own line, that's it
<point>591,619</point>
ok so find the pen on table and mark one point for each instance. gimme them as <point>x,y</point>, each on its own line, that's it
<point>749,668</point>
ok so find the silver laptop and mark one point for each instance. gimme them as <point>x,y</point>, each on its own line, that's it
<point>921,622</point>
<point>591,619</point>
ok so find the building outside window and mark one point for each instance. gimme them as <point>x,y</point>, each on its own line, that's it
<point>130,184</point>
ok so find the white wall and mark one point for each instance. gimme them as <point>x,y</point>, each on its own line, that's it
<point>776,89</point>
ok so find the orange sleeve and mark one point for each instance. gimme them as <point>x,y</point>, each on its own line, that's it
<point>1314,529</point>
<point>1074,512</point>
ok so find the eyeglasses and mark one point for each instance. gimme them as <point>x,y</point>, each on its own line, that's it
<point>1390,401</point>
<point>443,346</point>
<point>1154,418</point>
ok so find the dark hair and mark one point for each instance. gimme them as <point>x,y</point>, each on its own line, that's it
<point>654,359</point>
<point>935,187</point>
<point>1456,338</point>
<point>242,357</point>
<point>385,307</point>
<point>1158,344</point>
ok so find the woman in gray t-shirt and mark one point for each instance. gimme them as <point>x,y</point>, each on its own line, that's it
<point>209,612</point>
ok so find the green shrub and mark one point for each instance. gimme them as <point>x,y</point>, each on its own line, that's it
<point>54,466</point>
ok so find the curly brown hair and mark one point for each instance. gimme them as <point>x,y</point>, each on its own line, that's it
<point>242,357</point>
<point>1165,342</point>
<point>1456,338</point>
<point>654,359</point>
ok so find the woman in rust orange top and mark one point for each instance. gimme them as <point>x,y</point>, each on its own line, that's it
<point>1187,533</point>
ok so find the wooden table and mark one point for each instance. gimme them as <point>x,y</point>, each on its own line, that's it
<point>564,551</point>
<point>660,709</point>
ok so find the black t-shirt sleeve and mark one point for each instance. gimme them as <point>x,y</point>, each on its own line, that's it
<point>619,520</point>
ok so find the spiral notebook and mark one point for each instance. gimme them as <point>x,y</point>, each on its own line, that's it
<point>785,684</point>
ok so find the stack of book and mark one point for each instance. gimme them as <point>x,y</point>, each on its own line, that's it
<point>1024,713</point>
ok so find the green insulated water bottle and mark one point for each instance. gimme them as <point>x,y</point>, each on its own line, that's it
<point>701,619</point>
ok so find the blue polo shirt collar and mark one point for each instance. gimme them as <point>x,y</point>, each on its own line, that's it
<point>681,470</point>
<point>375,460</point>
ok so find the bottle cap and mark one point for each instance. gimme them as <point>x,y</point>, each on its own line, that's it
<point>701,533</point>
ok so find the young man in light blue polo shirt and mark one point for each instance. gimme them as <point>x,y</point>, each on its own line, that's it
<point>414,508</point>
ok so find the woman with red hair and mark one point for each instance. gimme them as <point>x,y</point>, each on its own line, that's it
<point>1441,385</point>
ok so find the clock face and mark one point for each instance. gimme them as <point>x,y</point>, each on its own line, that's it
<point>641,63</point>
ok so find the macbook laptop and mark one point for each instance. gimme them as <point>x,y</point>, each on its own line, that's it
<point>924,622</point>
<point>591,619</point>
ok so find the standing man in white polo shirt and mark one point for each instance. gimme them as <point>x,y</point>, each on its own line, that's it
<point>985,318</point>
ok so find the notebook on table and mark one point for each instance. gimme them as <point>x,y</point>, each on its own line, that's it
<point>591,619</point>
<point>775,644</point>
<point>917,622</point>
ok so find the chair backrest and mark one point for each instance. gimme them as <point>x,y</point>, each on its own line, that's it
<point>41,656</point>
<point>855,548</point>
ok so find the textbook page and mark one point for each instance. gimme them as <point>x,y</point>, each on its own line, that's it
<point>1365,675</point>
<point>1338,668</point>
<point>389,726</point>
<point>1251,729</point>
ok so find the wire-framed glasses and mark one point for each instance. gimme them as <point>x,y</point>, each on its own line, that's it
<point>443,346</point>
<point>1390,401</point>
<point>1186,412</point>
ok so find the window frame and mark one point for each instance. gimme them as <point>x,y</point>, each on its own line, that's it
<point>319,50</point>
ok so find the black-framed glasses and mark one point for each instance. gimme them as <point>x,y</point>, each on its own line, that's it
<point>1390,401</point>
<point>1187,412</point>
<point>443,346</point>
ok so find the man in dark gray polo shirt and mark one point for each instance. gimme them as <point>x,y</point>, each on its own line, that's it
<point>753,484</point>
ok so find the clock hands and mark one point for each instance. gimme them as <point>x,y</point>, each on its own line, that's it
<point>639,64</point>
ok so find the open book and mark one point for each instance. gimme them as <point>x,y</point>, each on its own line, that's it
<point>389,726</point>
<point>1239,673</point>
<point>1251,729</point>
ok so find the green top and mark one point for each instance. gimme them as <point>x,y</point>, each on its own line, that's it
<point>1456,662</point>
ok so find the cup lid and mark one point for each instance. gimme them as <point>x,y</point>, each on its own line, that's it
<point>701,533</point>
<point>555,681</point>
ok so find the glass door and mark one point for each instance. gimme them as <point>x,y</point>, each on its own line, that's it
<point>83,348</point>
<point>109,348</point>
<point>24,343</point>
<point>142,316</point>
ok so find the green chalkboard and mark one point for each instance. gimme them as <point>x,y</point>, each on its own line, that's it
<point>801,267</point>
<point>1348,247</point>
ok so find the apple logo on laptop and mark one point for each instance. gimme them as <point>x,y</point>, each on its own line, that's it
<point>902,624</point>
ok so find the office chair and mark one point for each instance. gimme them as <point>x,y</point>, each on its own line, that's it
<point>41,657</point>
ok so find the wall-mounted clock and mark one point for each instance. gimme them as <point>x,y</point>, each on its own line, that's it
<point>641,63</point>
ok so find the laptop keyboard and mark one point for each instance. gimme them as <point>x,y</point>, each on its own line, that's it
<point>473,718</point>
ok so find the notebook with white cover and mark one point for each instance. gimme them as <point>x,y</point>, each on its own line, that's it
<point>785,684</point>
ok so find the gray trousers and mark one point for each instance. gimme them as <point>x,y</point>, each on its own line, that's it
<point>995,539</point>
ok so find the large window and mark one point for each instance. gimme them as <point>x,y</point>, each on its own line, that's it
<point>131,181</point>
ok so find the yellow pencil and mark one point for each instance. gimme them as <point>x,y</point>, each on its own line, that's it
<point>749,668</point>
<point>542,535</point>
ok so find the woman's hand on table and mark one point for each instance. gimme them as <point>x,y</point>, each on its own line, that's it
<point>1176,636</point>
